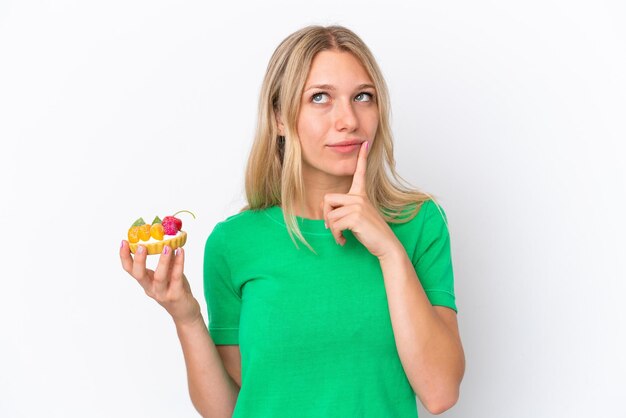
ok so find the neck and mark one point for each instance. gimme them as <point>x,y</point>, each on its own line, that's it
<point>317,184</point>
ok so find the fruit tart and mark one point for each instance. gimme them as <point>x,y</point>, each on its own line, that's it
<point>155,236</point>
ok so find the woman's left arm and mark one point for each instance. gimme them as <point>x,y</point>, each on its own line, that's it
<point>427,337</point>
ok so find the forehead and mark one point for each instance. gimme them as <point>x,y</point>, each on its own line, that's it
<point>337,68</point>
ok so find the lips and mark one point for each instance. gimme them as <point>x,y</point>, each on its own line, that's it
<point>346,143</point>
<point>346,147</point>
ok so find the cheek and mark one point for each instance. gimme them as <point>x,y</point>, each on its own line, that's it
<point>311,128</point>
<point>372,125</point>
<point>371,129</point>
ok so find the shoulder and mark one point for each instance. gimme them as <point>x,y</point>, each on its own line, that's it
<point>434,215</point>
<point>240,219</point>
<point>427,225</point>
<point>429,213</point>
<point>239,224</point>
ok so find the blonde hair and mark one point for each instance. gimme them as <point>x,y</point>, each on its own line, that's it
<point>274,169</point>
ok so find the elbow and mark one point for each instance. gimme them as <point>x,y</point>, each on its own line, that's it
<point>439,408</point>
<point>441,402</point>
<point>443,394</point>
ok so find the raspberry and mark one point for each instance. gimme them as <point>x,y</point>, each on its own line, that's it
<point>171,225</point>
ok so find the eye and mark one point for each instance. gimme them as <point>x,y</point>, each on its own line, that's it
<point>364,97</point>
<point>318,98</point>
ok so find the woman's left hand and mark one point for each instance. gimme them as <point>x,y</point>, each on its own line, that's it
<point>355,212</point>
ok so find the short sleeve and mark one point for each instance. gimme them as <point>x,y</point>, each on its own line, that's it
<point>223,302</point>
<point>432,259</point>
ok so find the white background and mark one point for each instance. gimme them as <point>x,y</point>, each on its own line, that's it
<point>512,113</point>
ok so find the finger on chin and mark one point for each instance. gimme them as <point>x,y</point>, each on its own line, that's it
<point>358,179</point>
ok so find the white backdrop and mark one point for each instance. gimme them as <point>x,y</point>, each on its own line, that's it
<point>512,113</point>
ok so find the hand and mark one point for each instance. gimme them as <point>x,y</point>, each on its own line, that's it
<point>355,212</point>
<point>167,284</point>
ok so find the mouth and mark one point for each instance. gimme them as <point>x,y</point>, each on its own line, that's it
<point>345,148</point>
<point>347,143</point>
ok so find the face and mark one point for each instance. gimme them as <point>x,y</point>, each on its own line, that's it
<point>338,104</point>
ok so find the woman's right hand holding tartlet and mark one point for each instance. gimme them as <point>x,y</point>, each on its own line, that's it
<point>213,392</point>
<point>167,284</point>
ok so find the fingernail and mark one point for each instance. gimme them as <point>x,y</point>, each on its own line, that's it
<point>139,249</point>
<point>122,244</point>
<point>325,225</point>
<point>367,145</point>
<point>165,249</point>
<point>176,252</point>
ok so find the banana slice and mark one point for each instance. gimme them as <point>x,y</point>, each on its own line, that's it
<point>156,247</point>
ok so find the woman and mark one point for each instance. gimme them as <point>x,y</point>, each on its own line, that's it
<point>364,318</point>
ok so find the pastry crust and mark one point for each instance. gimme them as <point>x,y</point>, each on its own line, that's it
<point>156,247</point>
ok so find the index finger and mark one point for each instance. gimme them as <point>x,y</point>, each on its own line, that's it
<point>358,180</point>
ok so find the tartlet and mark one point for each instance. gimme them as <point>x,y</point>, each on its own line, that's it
<point>155,236</point>
<point>156,247</point>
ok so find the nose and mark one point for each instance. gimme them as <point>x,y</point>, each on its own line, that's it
<point>345,117</point>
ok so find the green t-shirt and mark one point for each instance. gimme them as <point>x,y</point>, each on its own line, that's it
<point>314,331</point>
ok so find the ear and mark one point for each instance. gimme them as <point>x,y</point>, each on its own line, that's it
<point>281,126</point>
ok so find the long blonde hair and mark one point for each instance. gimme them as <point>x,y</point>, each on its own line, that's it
<point>274,169</point>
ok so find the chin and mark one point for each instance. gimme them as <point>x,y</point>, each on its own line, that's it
<point>344,169</point>
<point>342,173</point>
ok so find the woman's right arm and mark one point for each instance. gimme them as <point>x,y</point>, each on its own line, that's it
<point>213,392</point>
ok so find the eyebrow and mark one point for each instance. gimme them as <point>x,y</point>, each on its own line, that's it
<point>331,87</point>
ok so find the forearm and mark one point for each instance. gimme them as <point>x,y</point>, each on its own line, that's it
<point>430,351</point>
<point>212,390</point>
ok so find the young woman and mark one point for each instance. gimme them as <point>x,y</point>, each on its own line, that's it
<point>362,319</point>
